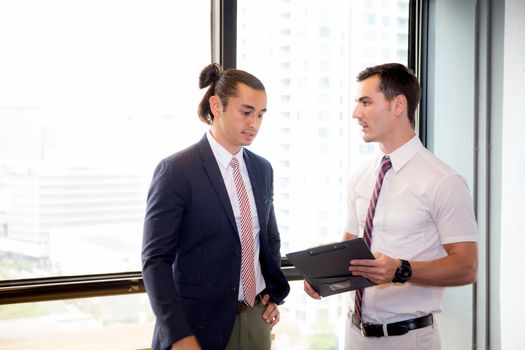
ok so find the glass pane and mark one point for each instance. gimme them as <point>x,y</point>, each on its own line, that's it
<point>452,135</point>
<point>92,95</point>
<point>123,322</point>
<point>308,53</point>
<point>309,324</point>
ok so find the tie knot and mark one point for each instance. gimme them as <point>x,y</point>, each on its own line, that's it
<point>386,163</point>
<point>234,163</point>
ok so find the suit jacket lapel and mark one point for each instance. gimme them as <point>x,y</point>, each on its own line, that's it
<point>257,187</point>
<point>214,175</point>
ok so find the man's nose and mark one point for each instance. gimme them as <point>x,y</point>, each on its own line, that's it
<point>357,112</point>
<point>254,121</point>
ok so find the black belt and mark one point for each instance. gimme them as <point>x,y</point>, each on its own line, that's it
<point>243,306</point>
<point>396,328</point>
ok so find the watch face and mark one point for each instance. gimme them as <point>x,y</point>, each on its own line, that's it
<point>403,272</point>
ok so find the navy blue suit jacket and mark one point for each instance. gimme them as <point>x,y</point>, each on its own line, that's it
<point>191,254</point>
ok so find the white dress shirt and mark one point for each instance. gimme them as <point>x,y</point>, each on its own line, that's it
<point>223,158</point>
<point>423,205</point>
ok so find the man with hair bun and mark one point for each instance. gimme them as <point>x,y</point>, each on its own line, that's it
<point>211,246</point>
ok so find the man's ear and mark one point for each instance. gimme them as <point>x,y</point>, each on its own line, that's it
<point>215,105</point>
<point>400,105</point>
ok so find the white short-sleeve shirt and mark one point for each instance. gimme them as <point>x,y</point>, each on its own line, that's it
<point>423,205</point>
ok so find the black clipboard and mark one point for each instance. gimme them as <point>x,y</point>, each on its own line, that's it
<point>326,267</point>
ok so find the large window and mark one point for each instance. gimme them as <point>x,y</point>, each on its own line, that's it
<point>92,95</point>
<point>308,54</point>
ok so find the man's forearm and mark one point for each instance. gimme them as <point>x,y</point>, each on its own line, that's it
<point>458,268</point>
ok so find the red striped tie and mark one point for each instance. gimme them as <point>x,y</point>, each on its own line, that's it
<point>247,255</point>
<point>367,234</point>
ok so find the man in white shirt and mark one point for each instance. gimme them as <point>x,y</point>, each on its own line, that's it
<point>421,222</point>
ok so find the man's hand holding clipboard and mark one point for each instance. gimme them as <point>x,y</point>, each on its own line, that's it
<point>325,267</point>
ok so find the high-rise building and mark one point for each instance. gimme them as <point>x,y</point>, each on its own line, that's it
<point>43,199</point>
<point>308,53</point>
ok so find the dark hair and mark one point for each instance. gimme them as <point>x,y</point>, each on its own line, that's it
<point>396,79</point>
<point>223,84</point>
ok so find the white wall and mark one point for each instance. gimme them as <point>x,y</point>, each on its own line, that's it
<point>512,283</point>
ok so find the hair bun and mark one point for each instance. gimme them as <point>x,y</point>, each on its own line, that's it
<point>210,74</point>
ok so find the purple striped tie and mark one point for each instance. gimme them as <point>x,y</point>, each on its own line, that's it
<point>247,244</point>
<point>367,234</point>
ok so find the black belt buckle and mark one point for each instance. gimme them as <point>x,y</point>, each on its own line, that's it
<point>363,330</point>
<point>371,330</point>
<point>368,329</point>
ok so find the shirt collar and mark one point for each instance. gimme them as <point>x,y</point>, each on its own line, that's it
<point>403,154</point>
<point>221,154</point>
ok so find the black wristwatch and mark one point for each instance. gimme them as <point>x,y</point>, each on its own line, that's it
<point>403,272</point>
